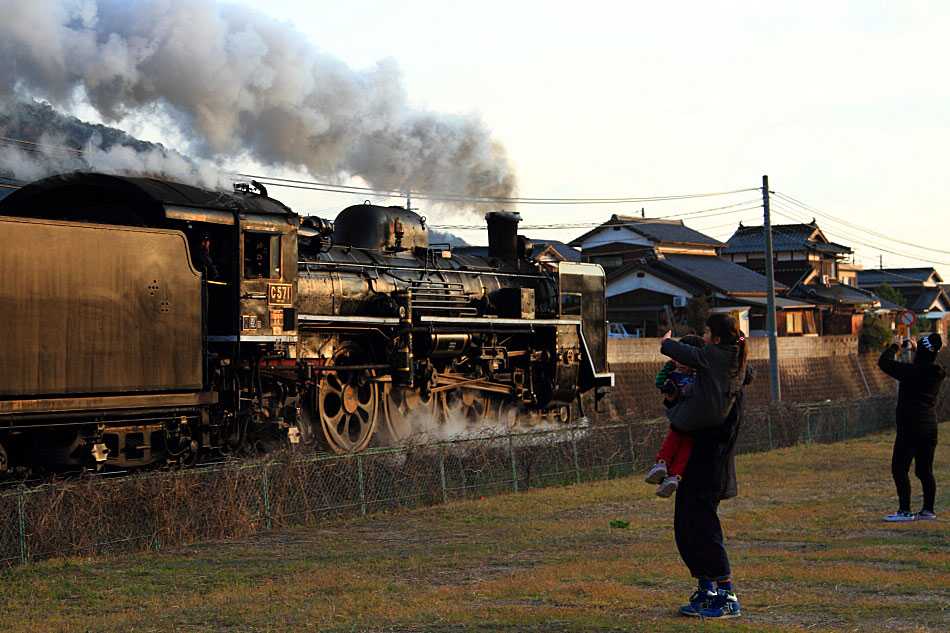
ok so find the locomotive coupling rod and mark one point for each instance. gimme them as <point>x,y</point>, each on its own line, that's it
<point>475,384</point>
<point>348,367</point>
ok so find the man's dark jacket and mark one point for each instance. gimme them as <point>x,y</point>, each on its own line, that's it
<point>917,391</point>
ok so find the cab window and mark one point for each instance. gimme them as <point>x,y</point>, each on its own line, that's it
<point>570,304</point>
<point>261,255</point>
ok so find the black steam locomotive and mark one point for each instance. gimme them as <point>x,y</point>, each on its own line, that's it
<point>148,321</point>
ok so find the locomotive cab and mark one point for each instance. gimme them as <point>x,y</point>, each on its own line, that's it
<point>267,278</point>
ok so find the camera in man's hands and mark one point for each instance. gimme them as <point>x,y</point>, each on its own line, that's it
<point>668,387</point>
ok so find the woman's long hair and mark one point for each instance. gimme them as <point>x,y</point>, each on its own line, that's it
<point>727,329</point>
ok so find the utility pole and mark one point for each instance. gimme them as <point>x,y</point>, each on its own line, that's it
<point>770,325</point>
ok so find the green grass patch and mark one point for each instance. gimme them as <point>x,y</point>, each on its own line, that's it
<point>805,537</point>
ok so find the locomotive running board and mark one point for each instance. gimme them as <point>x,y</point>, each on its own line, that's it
<point>106,403</point>
<point>329,318</point>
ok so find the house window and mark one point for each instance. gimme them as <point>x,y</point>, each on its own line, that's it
<point>607,261</point>
<point>261,255</point>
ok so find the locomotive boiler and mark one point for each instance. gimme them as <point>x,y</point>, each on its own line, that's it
<point>147,321</point>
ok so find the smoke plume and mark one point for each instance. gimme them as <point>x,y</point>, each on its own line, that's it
<point>240,83</point>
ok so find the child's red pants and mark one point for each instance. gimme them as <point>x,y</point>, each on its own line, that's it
<point>675,452</point>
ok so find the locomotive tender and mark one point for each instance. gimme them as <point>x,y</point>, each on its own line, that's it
<point>115,349</point>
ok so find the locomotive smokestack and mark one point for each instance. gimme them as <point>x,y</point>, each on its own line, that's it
<point>503,234</point>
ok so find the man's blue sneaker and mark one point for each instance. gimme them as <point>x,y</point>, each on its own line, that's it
<point>725,605</point>
<point>700,599</point>
<point>926,514</point>
<point>900,515</point>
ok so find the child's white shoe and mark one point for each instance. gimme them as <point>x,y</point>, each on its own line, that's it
<point>657,473</point>
<point>668,487</point>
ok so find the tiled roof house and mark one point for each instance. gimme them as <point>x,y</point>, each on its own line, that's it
<point>656,267</point>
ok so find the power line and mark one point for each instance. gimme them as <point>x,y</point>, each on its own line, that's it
<point>858,240</point>
<point>31,146</point>
<point>318,186</point>
<point>39,145</point>
<point>856,227</point>
<point>583,225</point>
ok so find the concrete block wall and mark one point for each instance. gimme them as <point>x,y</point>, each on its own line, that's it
<point>811,369</point>
<point>646,350</point>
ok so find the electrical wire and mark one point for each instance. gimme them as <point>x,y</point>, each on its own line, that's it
<point>592,224</point>
<point>790,213</point>
<point>40,145</point>
<point>828,216</point>
<point>318,186</point>
<point>790,205</point>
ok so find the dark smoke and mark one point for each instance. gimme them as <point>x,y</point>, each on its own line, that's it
<point>239,82</point>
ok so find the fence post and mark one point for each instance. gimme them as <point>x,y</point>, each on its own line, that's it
<point>22,529</point>
<point>633,456</point>
<point>808,425</point>
<point>577,467</point>
<point>844,422</point>
<point>768,423</point>
<point>266,499</point>
<point>514,466</point>
<point>445,492</point>
<point>359,471</point>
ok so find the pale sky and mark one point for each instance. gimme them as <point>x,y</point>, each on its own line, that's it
<point>844,104</point>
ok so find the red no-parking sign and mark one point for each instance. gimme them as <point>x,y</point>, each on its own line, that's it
<point>904,320</point>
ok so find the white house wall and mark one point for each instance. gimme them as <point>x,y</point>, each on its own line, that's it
<point>631,281</point>
<point>610,236</point>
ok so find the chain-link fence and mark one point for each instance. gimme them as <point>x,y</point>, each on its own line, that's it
<point>154,510</point>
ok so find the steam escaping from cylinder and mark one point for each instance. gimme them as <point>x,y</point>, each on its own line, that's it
<point>238,83</point>
<point>422,426</point>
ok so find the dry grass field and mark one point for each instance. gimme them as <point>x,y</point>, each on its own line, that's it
<point>807,544</point>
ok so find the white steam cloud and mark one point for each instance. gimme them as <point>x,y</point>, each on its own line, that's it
<point>51,157</point>
<point>239,82</point>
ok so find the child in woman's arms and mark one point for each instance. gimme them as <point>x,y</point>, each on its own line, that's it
<point>673,381</point>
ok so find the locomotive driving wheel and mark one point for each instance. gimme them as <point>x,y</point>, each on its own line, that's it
<point>347,402</point>
<point>504,410</point>
<point>407,411</point>
<point>467,406</point>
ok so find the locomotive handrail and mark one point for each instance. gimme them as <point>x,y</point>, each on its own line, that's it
<point>327,318</point>
<point>497,321</point>
<point>461,271</point>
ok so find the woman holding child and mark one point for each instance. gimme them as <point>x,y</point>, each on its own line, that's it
<point>707,415</point>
